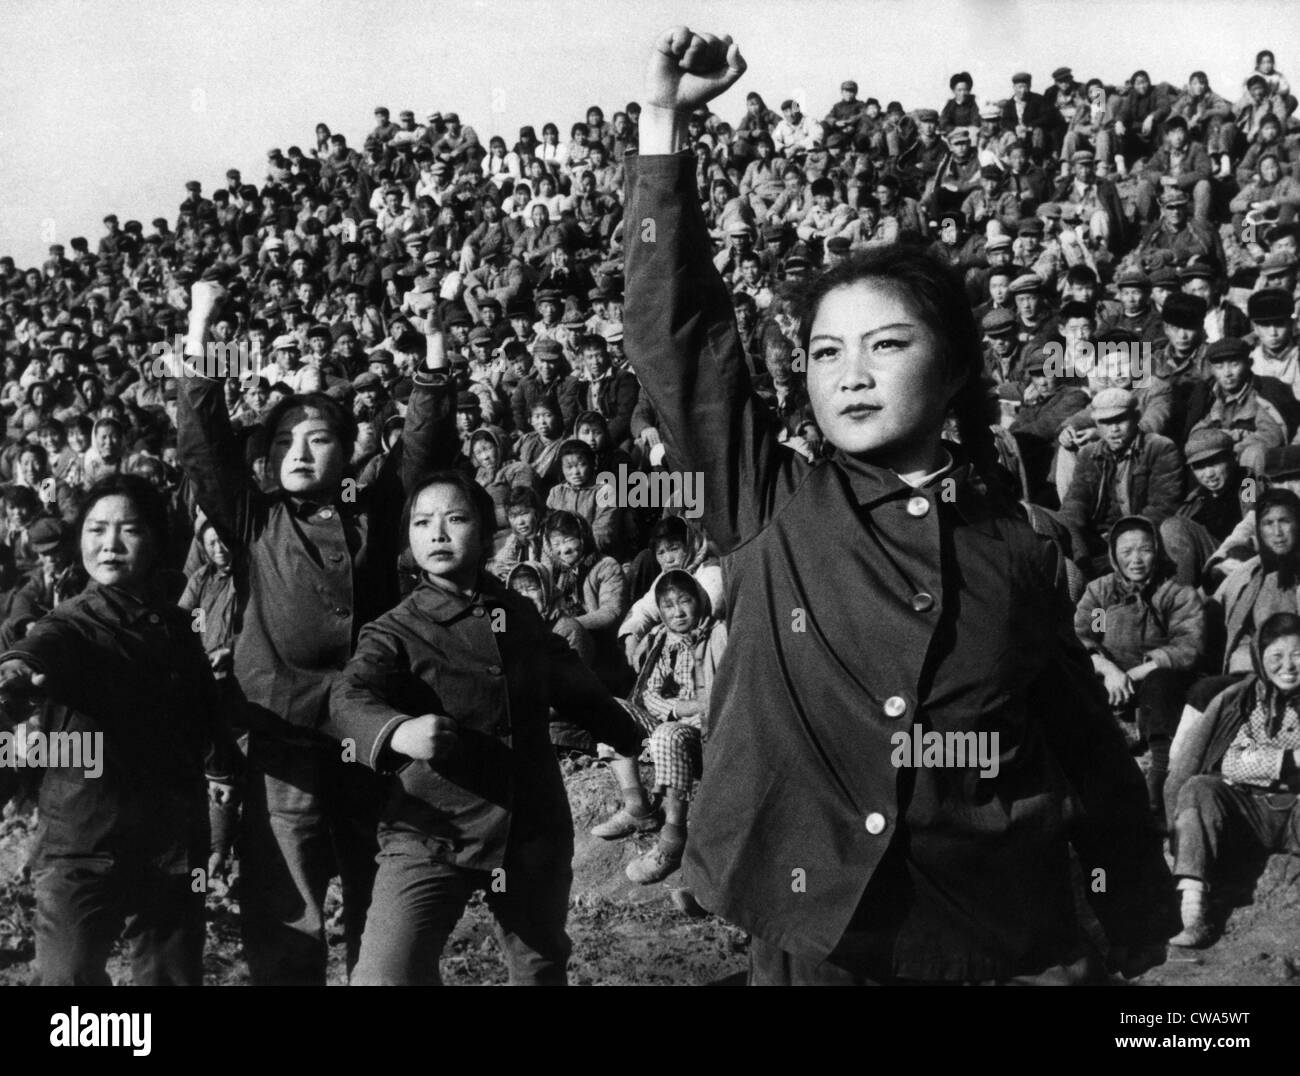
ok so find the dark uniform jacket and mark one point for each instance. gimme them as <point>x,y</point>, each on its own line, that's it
<point>307,575</point>
<point>859,607</point>
<point>134,672</point>
<point>496,668</point>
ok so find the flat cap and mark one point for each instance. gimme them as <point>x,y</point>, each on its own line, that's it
<point>1113,403</point>
<point>1183,310</point>
<point>1270,304</point>
<point>998,321</point>
<point>1025,283</point>
<point>1204,445</point>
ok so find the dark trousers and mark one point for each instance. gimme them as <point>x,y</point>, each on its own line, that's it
<point>82,906</point>
<point>1210,811</point>
<point>419,899</point>
<point>770,966</point>
<point>308,815</point>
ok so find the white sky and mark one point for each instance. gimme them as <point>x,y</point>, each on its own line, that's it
<point>114,104</point>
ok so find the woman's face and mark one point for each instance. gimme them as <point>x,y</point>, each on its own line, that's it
<point>306,454</point>
<point>1282,662</point>
<point>215,548</point>
<point>567,551</point>
<point>117,549</point>
<point>670,554</point>
<point>1136,555</point>
<point>680,611</point>
<point>445,534</point>
<point>486,455</point>
<point>876,376</point>
<point>1277,530</point>
<point>523,523</point>
<point>29,469</point>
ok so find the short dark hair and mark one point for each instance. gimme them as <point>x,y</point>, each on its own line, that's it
<point>574,447</point>
<point>146,498</point>
<point>1276,627</point>
<point>479,498</point>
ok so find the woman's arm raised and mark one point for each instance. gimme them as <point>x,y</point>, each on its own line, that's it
<point>681,333</point>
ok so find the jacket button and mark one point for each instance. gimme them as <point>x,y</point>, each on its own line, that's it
<point>494,670</point>
<point>895,706</point>
<point>479,610</point>
<point>327,513</point>
<point>875,823</point>
<point>154,618</point>
<point>340,611</point>
<point>918,506</point>
<point>336,557</point>
<point>922,601</point>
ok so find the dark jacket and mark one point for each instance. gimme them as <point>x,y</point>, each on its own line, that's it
<point>615,399</point>
<point>307,576</point>
<point>1155,483</point>
<point>927,874</point>
<point>135,673</point>
<point>1038,113</point>
<point>496,668</point>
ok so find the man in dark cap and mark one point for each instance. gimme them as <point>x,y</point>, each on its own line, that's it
<point>796,134</point>
<point>919,161</point>
<point>961,109</point>
<point>1212,507</point>
<point>1138,113</point>
<point>1175,238</point>
<point>846,112</point>
<point>1136,312</point>
<point>1026,114</point>
<point>1179,367</point>
<point>1276,353</point>
<point>1050,401</point>
<point>1198,277</point>
<point>1094,201</point>
<point>1238,408</point>
<point>1002,353</point>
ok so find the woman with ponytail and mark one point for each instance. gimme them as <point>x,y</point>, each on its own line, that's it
<point>876,597</point>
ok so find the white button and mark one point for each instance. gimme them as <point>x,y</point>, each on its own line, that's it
<point>895,706</point>
<point>917,507</point>
<point>875,824</point>
<point>327,513</point>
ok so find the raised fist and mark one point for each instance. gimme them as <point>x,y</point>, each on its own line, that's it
<point>688,69</point>
<point>431,737</point>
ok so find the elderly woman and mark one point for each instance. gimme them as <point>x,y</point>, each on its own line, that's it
<point>887,590</point>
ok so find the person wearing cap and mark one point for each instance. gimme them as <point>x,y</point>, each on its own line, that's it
<point>1175,238</point>
<point>1255,106</point>
<point>1269,140</point>
<point>1179,364</point>
<point>1026,113</point>
<point>750,279</point>
<point>1179,164</point>
<point>909,221</point>
<point>1026,180</point>
<point>1136,314</point>
<point>1209,120</point>
<point>1276,353</point>
<point>1212,509</point>
<point>1198,277</point>
<point>1003,355</point>
<point>1035,322</point>
<point>500,276</point>
<point>1049,402</point>
<point>957,176</point>
<point>917,163</point>
<point>545,380</point>
<point>1095,201</point>
<point>1138,111</point>
<point>1279,269</point>
<point>1125,472</point>
<point>991,202</point>
<point>846,112</point>
<point>459,143</point>
<point>796,134</point>
<point>1239,408</point>
<point>1065,97</point>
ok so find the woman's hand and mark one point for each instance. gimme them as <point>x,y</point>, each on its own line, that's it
<point>431,737</point>
<point>1119,688</point>
<point>688,69</point>
<point>688,708</point>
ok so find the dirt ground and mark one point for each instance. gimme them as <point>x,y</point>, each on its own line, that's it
<point>625,934</point>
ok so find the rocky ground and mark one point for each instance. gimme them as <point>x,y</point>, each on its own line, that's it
<point>625,934</point>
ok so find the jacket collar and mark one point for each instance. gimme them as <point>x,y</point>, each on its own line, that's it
<point>442,606</point>
<point>126,607</point>
<point>872,485</point>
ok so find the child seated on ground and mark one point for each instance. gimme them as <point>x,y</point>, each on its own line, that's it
<point>540,449</point>
<point>1235,769</point>
<point>533,580</point>
<point>671,702</point>
<point>1146,634</point>
<point>580,494</point>
<point>524,511</point>
<point>674,543</point>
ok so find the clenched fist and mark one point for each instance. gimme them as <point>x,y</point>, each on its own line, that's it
<point>688,69</point>
<point>431,737</point>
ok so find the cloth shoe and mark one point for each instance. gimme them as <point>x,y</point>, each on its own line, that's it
<point>1196,932</point>
<point>623,823</point>
<point>655,865</point>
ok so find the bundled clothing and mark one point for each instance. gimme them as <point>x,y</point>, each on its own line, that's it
<point>507,475</point>
<point>677,667</point>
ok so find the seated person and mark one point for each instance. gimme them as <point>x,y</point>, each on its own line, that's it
<point>1235,769</point>
<point>525,511</point>
<point>1210,510</point>
<point>497,473</point>
<point>671,702</point>
<point>1146,635</point>
<point>1238,408</point>
<point>1125,472</point>
<point>582,495</point>
<point>540,448</point>
<point>532,579</point>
